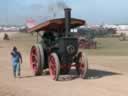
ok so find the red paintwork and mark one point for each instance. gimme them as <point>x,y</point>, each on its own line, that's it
<point>33,59</point>
<point>52,67</point>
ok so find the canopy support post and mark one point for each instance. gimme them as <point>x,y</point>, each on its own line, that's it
<point>37,38</point>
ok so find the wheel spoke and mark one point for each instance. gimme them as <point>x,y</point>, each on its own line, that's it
<point>53,63</point>
<point>34,58</point>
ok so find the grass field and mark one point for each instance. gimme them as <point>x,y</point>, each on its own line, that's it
<point>109,47</point>
<point>105,46</point>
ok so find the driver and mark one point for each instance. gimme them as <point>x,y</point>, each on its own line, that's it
<point>48,38</point>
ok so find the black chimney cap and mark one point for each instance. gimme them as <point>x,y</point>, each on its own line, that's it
<point>67,9</point>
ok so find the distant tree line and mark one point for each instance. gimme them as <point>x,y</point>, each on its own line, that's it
<point>97,32</point>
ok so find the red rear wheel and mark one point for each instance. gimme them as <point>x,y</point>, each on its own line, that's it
<point>36,61</point>
<point>54,66</point>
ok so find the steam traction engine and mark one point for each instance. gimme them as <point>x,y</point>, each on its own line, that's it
<point>58,49</point>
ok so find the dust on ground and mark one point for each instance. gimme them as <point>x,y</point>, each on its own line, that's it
<point>107,76</point>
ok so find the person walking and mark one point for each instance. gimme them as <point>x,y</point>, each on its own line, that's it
<point>16,61</point>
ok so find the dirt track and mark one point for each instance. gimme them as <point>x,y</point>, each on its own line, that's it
<point>107,76</point>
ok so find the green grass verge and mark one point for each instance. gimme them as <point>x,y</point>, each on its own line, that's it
<point>109,47</point>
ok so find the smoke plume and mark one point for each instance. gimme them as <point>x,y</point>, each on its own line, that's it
<point>57,8</point>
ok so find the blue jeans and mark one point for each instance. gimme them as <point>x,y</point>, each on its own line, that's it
<point>16,69</point>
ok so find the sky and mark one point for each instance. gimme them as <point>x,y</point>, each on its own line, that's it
<point>16,12</point>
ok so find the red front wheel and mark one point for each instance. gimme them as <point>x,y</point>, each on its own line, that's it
<point>54,66</point>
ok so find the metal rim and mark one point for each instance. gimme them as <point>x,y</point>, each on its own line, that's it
<point>52,67</point>
<point>41,50</point>
<point>83,65</point>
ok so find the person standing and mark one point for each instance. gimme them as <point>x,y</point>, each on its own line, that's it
<point>16,61</point>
